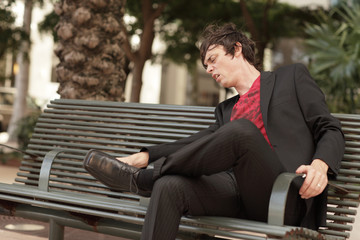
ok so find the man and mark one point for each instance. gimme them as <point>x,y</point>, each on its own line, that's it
<point>278,123</point>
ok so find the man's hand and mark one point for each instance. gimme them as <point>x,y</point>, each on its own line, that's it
<point>138,160</point>
<point>316,178</point>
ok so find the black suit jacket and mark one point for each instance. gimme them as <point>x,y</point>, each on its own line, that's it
<point>298,124</point>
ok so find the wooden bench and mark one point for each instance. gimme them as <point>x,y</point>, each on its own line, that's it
<point>53,187</point>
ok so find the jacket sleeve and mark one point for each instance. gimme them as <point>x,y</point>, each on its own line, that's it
<point>326,129</point>
<point>161,150</point>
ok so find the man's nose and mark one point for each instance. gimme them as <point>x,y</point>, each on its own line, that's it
<point>209,69</point>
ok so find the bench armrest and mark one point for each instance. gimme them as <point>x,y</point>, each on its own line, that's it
<point>44,175</point>
<point>277,203</point>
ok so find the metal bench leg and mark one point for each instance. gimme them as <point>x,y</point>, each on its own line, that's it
<point>56,231</point>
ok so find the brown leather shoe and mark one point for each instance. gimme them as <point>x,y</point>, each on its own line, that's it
<point>113,173</point>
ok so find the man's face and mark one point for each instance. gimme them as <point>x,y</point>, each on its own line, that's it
<point>222,66</point>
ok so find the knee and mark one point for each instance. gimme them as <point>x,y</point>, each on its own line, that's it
<point>169,185</point>
<point>241,131</point>
<point>243,123</point>
<point>242,127</point>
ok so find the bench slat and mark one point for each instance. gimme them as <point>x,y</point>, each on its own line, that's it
<point>128,111</point>
<point>163,107</point>
<point>108,116</point>
<point>157,123</point>
<point>46,128</point>
<point>101,138</point>
<point>343,203</point>
<point>82,147</point>
<point>57,123</point>
<point>341,218</point>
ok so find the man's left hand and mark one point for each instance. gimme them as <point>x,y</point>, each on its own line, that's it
<point>316,178</point>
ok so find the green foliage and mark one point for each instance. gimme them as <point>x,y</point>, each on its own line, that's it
<point>25,129</point>
<point>26,125</point>
<point>334,48</point>
<point>10,35</point>
<point>286,20</point>
<point>49,23</point>
<point>184,21</point>
<point>6,156</point>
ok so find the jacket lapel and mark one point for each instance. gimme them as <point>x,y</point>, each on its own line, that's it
<point>228,109</point>
<point>267,82</point>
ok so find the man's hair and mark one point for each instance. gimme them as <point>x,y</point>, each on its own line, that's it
<point>227,36</point>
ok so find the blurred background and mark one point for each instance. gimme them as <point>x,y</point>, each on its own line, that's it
<point>147,51</point>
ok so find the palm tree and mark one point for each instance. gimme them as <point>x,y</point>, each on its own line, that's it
<point>91,59</point>
<point>334,49</point>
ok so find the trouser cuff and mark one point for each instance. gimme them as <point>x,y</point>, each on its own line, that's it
<point>158,166</point>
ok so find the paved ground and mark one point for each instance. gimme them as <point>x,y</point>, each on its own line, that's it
<point>14,228</point>
<point>40,230</point>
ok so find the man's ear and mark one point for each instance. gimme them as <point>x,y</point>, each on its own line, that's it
<point>238,49</point>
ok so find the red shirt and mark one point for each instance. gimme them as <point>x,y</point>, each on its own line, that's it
<point>248,107</point>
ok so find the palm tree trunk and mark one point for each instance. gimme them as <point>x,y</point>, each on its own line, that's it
<point>91,59</point>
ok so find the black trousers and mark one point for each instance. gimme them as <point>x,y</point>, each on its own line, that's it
<point>196,180</point>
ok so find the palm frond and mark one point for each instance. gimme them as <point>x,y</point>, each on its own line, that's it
<point>334,48</point>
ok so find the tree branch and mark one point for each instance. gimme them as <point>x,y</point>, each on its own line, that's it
<point>126,45</point>
<point>249,21</point>
<point>265,20</point>
<point>158,11</point>
<point>148,34</point>
<point>146,8</point>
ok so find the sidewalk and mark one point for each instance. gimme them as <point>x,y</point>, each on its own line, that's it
<point>15,228</point>
<point>40,230</point>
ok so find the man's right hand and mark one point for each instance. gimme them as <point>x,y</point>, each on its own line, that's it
<point>139,160</point>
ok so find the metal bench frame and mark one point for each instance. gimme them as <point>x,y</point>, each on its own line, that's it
<point>54,187</point>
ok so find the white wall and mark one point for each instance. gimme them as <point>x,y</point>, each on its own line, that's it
<point>310,3</point>
<point>150,92</point>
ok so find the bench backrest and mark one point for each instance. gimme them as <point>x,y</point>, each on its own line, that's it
<point>117,128</point>
<point>121,128</point>
<point>342,208</point>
